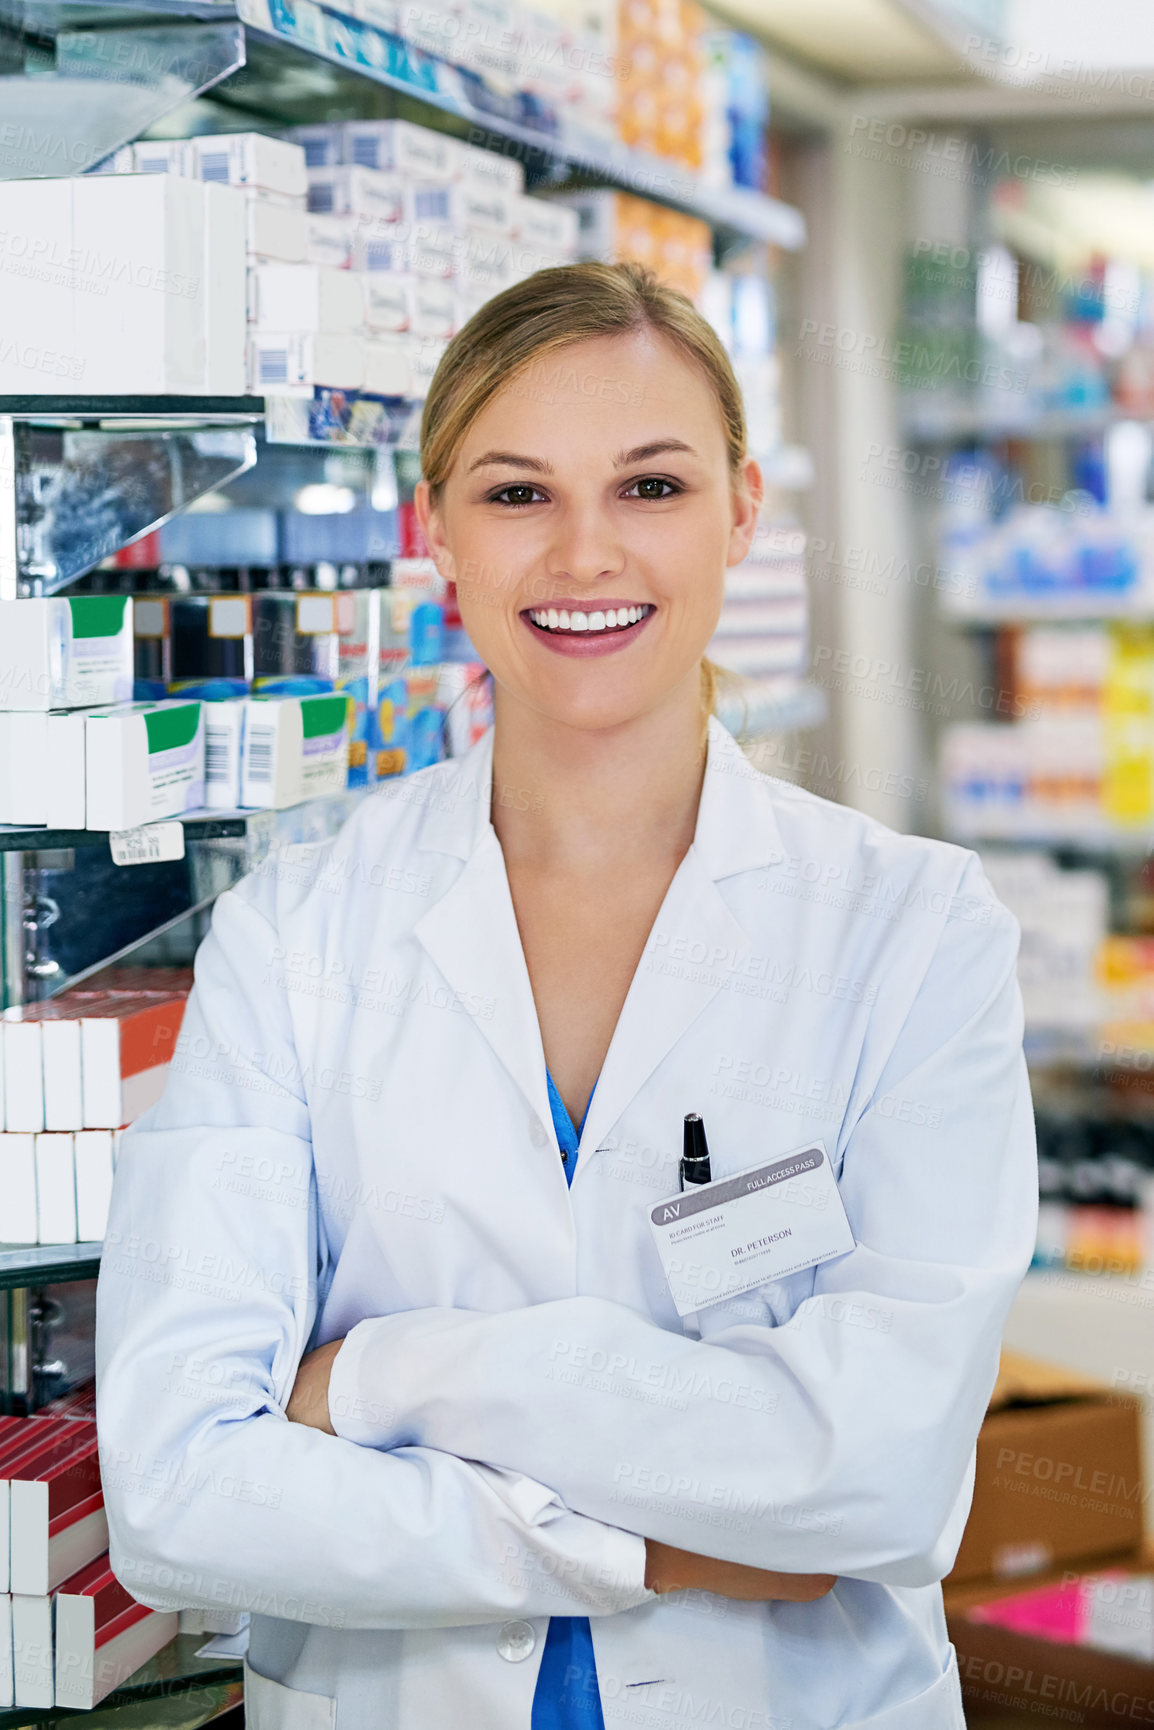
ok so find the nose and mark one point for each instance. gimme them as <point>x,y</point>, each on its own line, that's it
<point>585,547</point>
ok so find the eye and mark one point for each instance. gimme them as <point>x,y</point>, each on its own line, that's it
<point>516,496</point>
<point>652,487</point>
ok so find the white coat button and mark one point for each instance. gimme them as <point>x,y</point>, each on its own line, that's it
<point>537,1133</point>
<point>516,1641</point>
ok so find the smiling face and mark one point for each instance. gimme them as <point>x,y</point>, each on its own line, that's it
<point>588,520</point>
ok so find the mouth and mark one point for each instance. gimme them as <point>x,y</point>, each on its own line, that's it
<point>594,622</point>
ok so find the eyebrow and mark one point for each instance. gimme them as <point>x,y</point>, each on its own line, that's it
<point>510,459</point>
<point>659,447</point>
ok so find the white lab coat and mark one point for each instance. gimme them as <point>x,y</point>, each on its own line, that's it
<point>356,1140</point>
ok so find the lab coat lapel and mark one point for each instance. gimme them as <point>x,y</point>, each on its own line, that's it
<point>471,933</point>
<point>697,945</point>
<point>691,951</point>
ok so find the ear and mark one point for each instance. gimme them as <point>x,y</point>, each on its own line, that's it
<point>432,526</point>
<point>746,496</point>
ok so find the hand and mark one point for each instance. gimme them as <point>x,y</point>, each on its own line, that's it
<point>670,1570</point>
<point>309,1401</point>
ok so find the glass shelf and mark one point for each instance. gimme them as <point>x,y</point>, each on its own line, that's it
<point>47,1264</point>
<point>174,1670</point>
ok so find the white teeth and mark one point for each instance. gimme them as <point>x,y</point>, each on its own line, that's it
<point>554,619</point>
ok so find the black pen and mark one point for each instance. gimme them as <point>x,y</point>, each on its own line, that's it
<point>694,1167</point>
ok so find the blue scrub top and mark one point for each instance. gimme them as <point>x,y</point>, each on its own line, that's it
<point>567,1696</point>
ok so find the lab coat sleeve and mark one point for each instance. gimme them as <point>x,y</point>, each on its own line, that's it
<point>206,1302</point>
<point>840,1441</point>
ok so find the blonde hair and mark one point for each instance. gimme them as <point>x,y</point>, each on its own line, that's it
<point>552,310</point>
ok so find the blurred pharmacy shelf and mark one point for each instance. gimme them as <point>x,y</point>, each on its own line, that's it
<point>959,423</point>
<point>300,57</point>
<point>280,37</point>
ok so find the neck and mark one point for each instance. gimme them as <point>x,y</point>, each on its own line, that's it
<point>569,797</point>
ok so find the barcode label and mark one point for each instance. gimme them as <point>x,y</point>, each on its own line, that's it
<point>217,758</point>
<point>258,766</point>
<point>148,845</point>
<point>273,365</point>
<point>214,165</point>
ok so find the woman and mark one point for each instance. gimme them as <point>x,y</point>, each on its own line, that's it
<point>552,1500</point>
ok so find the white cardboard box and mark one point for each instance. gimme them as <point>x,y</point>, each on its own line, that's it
<point>65,652</point>
<point>225,240</point>
<point>351,191</point>
<point>55,1189</point>
<point>63,1091</point>
<point>18,1186</point>
<point>305,358</point>
<point>23,1074</point>
<point>38,352</point>
<point>387,364</point>
<point>295,748</point>
<point>546,226</point>
<point>487,168</point>
<point>93,1183</point>
<point>386,300</point>
<point>223,745</point>
<point>402,146</point>
<point>459,206</point>
<point>140,308</point>
<point>300,297</point>
<point>164,156</point>
<point>331,240</point>
<point>144,763</point>
<point>252,159</point>
<point>432,309</point>
<point>274,229</point>
<point>42,767</point>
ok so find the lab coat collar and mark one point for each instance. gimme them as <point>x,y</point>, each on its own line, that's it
<point>736,825</point>
<point>471,933</point>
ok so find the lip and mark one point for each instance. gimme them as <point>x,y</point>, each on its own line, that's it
<point>597,642</point>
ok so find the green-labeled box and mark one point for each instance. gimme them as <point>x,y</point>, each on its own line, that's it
<point>295,748</point>
<point>65,652</point>
<point>144,763</point>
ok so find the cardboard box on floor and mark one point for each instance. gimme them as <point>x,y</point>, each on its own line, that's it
<point>1058,1493</point>
<point>1059,1475</point>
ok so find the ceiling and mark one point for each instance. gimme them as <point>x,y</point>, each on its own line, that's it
<point>856,40</point>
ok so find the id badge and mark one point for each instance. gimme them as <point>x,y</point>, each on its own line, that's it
<point>719,1240</point>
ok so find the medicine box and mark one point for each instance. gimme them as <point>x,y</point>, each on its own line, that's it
<point>42,768</point>
<point>486,169</point>
<point>143,764</point>
<point>295,748</point>
<point>275,229</point>
<point>65,652</point>
<point>386,300</point>
<point>305,358</point>
<point>363,192</point>
<point>403,147</point>
<point>302,297</point>
<point>552,228</point>
<point>140,295</point>
<point>223,744</point>
<point>252,159</point>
